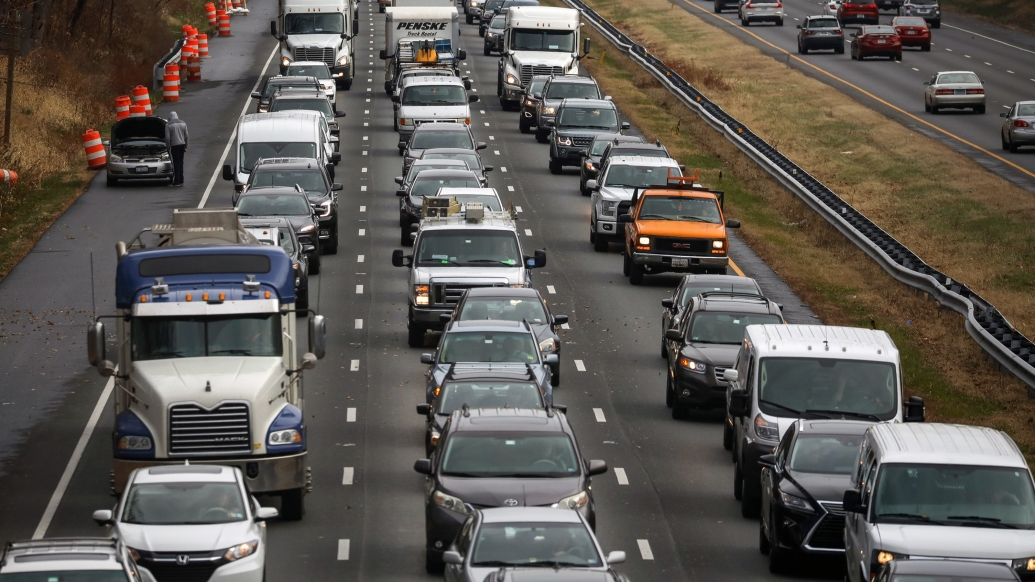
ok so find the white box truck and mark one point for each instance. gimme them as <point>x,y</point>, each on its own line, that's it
<point>538,40</point>
<point>407,24</point>
<point>318,30</point>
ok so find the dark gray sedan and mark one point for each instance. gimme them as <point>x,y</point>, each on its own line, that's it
<point>1019,126</point>
<point>290,203</point>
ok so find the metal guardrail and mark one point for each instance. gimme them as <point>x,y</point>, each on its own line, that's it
<point>995,335</point>
<point>158,72</point>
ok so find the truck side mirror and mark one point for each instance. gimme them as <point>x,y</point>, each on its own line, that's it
<point>399,180</point>
<point>666,303</point>
<point>400,193</point>
<point>592,185</point>
<point>339,113</point>
<point>453,557</point>
<point>256,95</point>
<point>738,406</point>
<point>560,319</point>
<point>318,336</point>
<point>400,260</point>
<point>461,55</point>
<point>674,335</point>
<point>335,157</point>
<point>427,359</point>
<point>445,317</point>
<point>422,466</point>
<point>472,98</point>
<point>585,45</point>
<point>732,223</point>
<point>381,55</point>
<point>767,460</point>
<point>552,360</point>
<point>540,258</point>
<point>537,96</point>
<point>467,84</point>
<point>228,172</point>
<point>731,375</point>
<point>488,168</point>
<point>852,502</point>
<point>914,410</point>
<point>395,98</point>
<point>625,218</point>
<point>626,125</point>
<point>273,28</point>
<point>423,409</point>
<point>95,347</point>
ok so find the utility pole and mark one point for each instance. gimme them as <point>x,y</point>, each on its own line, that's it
<point>21,30</point>
<point>10,99</point>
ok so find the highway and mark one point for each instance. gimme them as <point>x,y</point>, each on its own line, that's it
<point>1002,58</point>
<point>674,511</point>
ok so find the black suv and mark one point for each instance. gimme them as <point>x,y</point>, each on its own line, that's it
<point>276,82</point>
<point>427,183</point>
<point>513,304</point>
<point>706,344</point>
<point>529,104</point>
<point>589,167</point>
<point>577,122</point>
<point>556,90</point>
<point>289,203</point>
<point>313,178</point>
<point>691,286</point>
<point>500,457</point>
<point>278,231</point>
<point>478,388</point>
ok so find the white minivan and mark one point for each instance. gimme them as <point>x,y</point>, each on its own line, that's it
<point>939,492</point>
<point>787,372</point>
<point>283,134</point>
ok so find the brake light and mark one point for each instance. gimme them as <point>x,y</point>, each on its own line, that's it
<point>1021,123</point>
<point>838,31</point>
<point>975,91</point>
<point>943,92</point>
<point>779,5</point>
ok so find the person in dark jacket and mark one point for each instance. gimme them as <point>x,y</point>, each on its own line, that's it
<point>176,138</point>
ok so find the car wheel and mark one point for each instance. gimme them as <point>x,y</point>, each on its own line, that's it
<point>751,497</point>
<point>898,57</point>
<point>1013,147</point>
<point>936,24</point>
<point>1006,144</point>
<point>779,22</point>
<point>625,264</point>
<point>727,436</point>
<point>600,244</point>
<point>839,50</point>
<point>111,181</point>
<point>292,504</point>
<point>555,378</point>
<point>485,51</point>
<point>314,264</point>
<point>635,273</point>
<point>980,110</point>
<point>763,541</point>
<point>927,106</point>
<point>778,558</point>
<point>524,127</point>
<point>738,482</point>
<point>331,248</point>
<point>926,48</point>
<point>302,299</point>
<point>541,136</point>
<point>402,151</point>
<point>555,167</point>
<point>664,348</point>
<point>469,19</point>
<point>670,395</point>
<point>404,235</point>
<point>801,49</point>
<point>415,335</point>
<point>434,564</point>
<point>743,22</point>
<point>679,411</point>
<point>934,109</point>
<point>854,58</point>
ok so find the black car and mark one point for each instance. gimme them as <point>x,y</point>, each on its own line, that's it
<point>312,177</point>
<point>471,157</point>
<point>278,231</point>
<point>821,33</point>
<point>556,90</point>
<point>945,571</point>
<point>494,35</point>
<point>589,167</point>
<point>514,304</point>
<point>720,5</point>
<point>275,82</point>
<point>706,344</point>
<point>527,109</point>
<point>500,457</point>
<point>427,183</point>
<point>803,485</point>
<point>489,9</point>
<point>477,388</point>
<point>491,346</point>
<point>290,203</point>
<point>691,286</point>
<point>436,135</point>
<point>577,122</point>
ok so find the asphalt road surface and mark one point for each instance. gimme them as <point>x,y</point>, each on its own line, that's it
<point>671,507</point>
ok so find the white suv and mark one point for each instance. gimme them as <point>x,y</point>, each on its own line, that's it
<point>99,559</point>
<point>761,11</point>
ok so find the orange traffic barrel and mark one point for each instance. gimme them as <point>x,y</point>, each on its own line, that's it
<point>122,103</point>
<point>185,29</point>
<point>194,69</point>
<point>171,83</point>
<point>203,46</point>
<point>95,156</point>
<point>11,177</point>
<point>224,23</point>
<point>137,111</point>
<point>237,3</point>
<point>210,13</point>
<point>142,98</point>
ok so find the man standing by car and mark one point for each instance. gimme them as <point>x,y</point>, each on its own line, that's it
<point>176,138</point>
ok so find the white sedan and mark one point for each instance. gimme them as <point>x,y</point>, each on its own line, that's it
<point>830,7</point>
<point>198,518</point>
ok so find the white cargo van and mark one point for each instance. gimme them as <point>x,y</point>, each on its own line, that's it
<point>284,134</point>
<point>434,99</point>
<point>538,40</point>
<point>787,372</point>
<point>318,30</point>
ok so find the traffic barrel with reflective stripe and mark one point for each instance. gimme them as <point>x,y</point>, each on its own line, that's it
<point>95,156</point>
<point>142,98</point>
<point>11,177</point>
<point>171,83</point>
<point>224,23</point>
<point>194,69</point>
<point>210,13</point>
<point>122,103</point>
<point>203,46</point>
<point>137,111</point>
<point>237,3</point>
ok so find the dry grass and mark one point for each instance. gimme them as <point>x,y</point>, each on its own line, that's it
<point>1017,14</point>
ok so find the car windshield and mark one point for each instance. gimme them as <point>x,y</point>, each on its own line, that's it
<point>823,23</point>
<point>319,105</point>
<point>159,338</point>
<point>948,78</point>
<point>622,176</point>
<point>714,327</point>
<point>183,504</point>
<point>488,346</point>
<point>272,87</point>
<point>468,247</point>
<point>910,21</point>
<point>526,39</point>
<point>253,152</point>
<point>416,169</point>
<point>430,186</point>
<point>534,544</point>
<point>488,394</point>
<point>535,86</point>
<point>490,202</point>
<point>598,147</point>
<point>511,455</point>
<point>1026,109</point>
<point>328,23</point>
<point>693,289</point>
<point>254,204</point>
<point>434,95</point>
<point>319,71</point>
<point>825,453</point>
<point>425,140</point>
<point>828,386</point>
<point>498,22</point>
<point>588,117</point>
<point>527,309</point>
<point>572,91</point>
<point>472,159</point>
<point>680,208</point>
<point>976,496</point>
<point>309,180</point>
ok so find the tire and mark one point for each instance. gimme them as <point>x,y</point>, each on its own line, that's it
<point>778,559</point>
<point>625,264</point>
<point>600,244</point>
<point>402,151</point>
<point>541,137</point>
<point>635,273</point>
<point>936,24</point>
<point>738,482</point>
<point>555,167</point>
<point>763,541</point>
<point>934,109</point>
<point>839,50</point>
<point>670,395</point>
<point>927,106</point>
<point>404,236</point>
<point>485,51</point>
<point>801,49</point>
<point>727,436</point>
<point>779,22</point>
<point>898,57</point>
<point>980,110</point>
<point>314,264</point>
<point>292,505</point>
<point>926,48</point>
<point>854,58</point>
<point>679,411</point>
<point>555,379</point>
<point>468,18</point>
<point>433,564</point>
<point>415,335</point>
<point>743,22</point>
<point>302,299</point>
<point>664,350</point>
<point>111,181</point>
<point>524,127</point>
<point>1013,148</point>
<point>751,497</point>
<point>332,247</point>
<point>1006,144</point>
<point>715,8</point>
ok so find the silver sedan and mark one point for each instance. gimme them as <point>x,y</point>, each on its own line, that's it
<point>954,90</point>
<point>1019,126</point>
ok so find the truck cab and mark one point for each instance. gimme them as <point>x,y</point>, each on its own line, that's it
<point>318,30</point>
<point>538,40</point>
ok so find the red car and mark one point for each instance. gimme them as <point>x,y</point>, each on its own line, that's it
<point>913,31</point>
<point>858,12</point>
<point>876,41</point>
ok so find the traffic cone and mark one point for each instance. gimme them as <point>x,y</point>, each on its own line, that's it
<point>224,23</point>
<point>203,46</point>
<point>210,13</point>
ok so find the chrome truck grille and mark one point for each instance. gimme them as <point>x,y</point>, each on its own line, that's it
<point>224,430</point>
<point>323,54</point>
<point>528,71</point>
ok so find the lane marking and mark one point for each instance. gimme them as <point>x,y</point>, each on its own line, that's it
<point>355,366</point>
<point>362,208</point>
<point>736,269</point>
<point>350,415</point>
<point>492,138</point>
<point>365,152</point>
<point>645,552</point>
<point>510,188</point>
<point>517,209</point>
<point>551,290</point>
<point>580,366</point>
<point>620,474</point>
<point>990,38</point>
<point>967,56</point>
<point>503,169</point>
<point>599,414</point>
<point>359,258</point>
<point>359,324</point>
<point>916,69</point>
<point>528,232</point>
<point>348,475</point>
<point>363,188</point>
<point>565,326</point>
<point>362,232</point>
<point>988,63</point>
<point>366,137</point>
<point>366,111</point>
<point>364,170</point>
<point>365,124</point>
<point>1009,71</point>
<point>77,455</point>
<point>486,124</point>
<point>359,289</point>
<point>343,550</point>
<point>497,152</point>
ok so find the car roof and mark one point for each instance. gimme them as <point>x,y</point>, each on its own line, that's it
<point>529,514</point>
<point>588,103</point>
<point>185,473</point>
<point>643,161</point>
<point>843,342</point>
<point>430,174</point>
<point>289,125</point>
<point>739,302</point>
<point>61,554</point>
<point>507,419</point>
<point>502,292</point>
<point>637,144</point>
<point>486,325</point>
<point>288,164</point>
<point>951,72</point>
<point>949,444</point>
<point>833,427</point>
<point>280,79</point>
<point>955,569</point>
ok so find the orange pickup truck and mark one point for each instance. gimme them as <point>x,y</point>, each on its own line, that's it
<point>679,228</point>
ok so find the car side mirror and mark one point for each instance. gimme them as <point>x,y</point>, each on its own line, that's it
<point>540,258</point>
<point>400,193</point>
<point>682,167</point>
<point>95,344</point>
<point>767,460</point>
<point>381,55</point>
<point>626,125</point>
<point>228,172</point>
<point>925,82</point>
<point>615,557</point>
<point>914,410</point>
<point>537,96</point>
<point>318,336</point>
<point>103,517</point>
<point>481,146</point>
<point>422,466</point>
<point>551,360</point>
<point>562,408</point>
<point>273,28</point>
<point>732,223</point>
<point>625,218</point>
<point>596,467</point>
<point>427,358</point>
<point>467,84</point>
<point>308,249</point>
<point>738,406</point>
<point>337,187</point>
<point>592,185</point>
<point>799,26</point>
<point>1002,115</point>
<point>400,260</point>
<point>560,319</point>
<point>855,34</point>
<point>264,513</point>
<point>550,122</point>
<point>256,95</point>
<point>488,168</point>
<point>395,99</point>
<point>461,55</point>
<point>399,180</point>
<point>667,303</point>
<point>472,98</point>
<point>423,409</point>
<point>335,157</point>
<point>453,557</point>
<point>445,317</point>
<point>731,375</point>
<point>852,502</point>
<point>339,113</point>
<point>607,98</point>
<point>674,335</point>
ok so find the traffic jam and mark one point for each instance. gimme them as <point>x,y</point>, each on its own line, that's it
<point>222,319</point>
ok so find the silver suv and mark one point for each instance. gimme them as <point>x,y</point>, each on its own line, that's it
<point>106,559</point>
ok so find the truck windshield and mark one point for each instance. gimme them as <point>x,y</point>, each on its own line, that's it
<point>159,338</point>
<point>510,455</point>
<point>993,497</point>
<point>828,387</point>
<point>716,327</point>
<point>639,176</point>
<point>253,152</point>
<point>183,504</point>
<point>489,346</point>
<point>434,95</point>
<point>468,248</point>
<point>529,39</point>
<point>309,180</point>
<point>587,117</point>
<point>332,23</point>
<point>488,394</point>
<point>273,205</point>
<point>320,105</point>
<point>680,208</point>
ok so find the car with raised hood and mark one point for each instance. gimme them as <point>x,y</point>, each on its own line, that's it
<point>529,102</point>
<point>803,484</point>
<point>556,90</point>
<point>954,90</point>
<point>503,544</point>
<point>876,41</point>
<point>308,100</point>
<point>277,231</point>
<point>289,203</point>
<point>945,571</point>
<point>471,157</point>
<point>428,183</point>
<point>929,10</point>
<point>312,177</point>
<point>761,11</point>
<point>706,344</point>
<point>436,99</point>
<point>478,388</point>
<point>1018,126</point>
<point>195,520</point>
<point>592,158</point>
<point>925,492</point>
<point>690,286</point>
<point>574,126</point>
<point>93,559</point>
<point>436,135</point>
<point>858,12</point>
<point>620,178</point>
<point>277,82</point>
<point>493,36</point>
<point>320,71</point>
<point>502,457</point>
<point>820,33</point>
<point>138,151</point>
<point>912,32</point>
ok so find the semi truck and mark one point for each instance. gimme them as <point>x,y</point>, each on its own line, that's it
<point>318,30</point>
<point>538,40</point>
<point>208,370</point>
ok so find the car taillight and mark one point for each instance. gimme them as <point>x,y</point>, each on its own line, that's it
<point>779,5</point>
<point>838,31</point>
<point>1021,123</point>
<point>975,91</point>
<point>943,92</point>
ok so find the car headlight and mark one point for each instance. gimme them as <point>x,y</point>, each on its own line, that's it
<point>562,140</point>
<point>795,502</point>
<point>449,502</point>
<point>307,228</point>
<point>511,79</point>
<point>548,345</point>
<point>718,244</point>
<point>880,557</point>
<point>766,430</point>
<point>549,110</point>
<point>343,60</point>
<point>114,158</point>
<point>607,208</point>
<point>692,365</point>
<point>164,157</point>
<point>135,443</point>
<point>324,208</point>
<point>574,502</point>
<point>285,437</point>
<point>241,551</point>
<point>284,61</point>
<point>1024,564</point>
<point>420,294</point>
<point>530,102</point>
<point>644,240</point>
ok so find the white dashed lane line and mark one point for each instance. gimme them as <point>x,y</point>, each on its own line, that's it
<point>343,550</point>
<point>359,289</point>
<point>496,152</point>
<point>503,169</point>
<point>599,414</point>
<point>354,367</point>
<point>551,290</point>
<point>362,188</point>
<point>364,170</point>
<point>528,232</point>
<point>360,258</point>
<point>362,232</point>
<point>645,552</point>
<point>621,476</point>
<point>510,188</point>
<point>492,138</point>
<point>359,324</point>
<point>581,367</point>
<point>517,209</point>
<point>348,475</point>
<point>350,415</point>
<point>362,208</point>
<point>565,326</point>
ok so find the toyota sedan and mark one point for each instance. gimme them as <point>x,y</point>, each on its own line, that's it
<point>954,90</point>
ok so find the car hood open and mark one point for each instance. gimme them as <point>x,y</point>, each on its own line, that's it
<point>138,129</point>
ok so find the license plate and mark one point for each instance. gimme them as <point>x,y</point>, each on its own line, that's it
<point>680,262</point>
<point>910,32</point>
<point>960,92</point>
<point>140,169</point>
<point>882,41</point>
<point>860,16</point>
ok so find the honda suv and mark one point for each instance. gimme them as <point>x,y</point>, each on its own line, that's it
<point>577,122</point>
